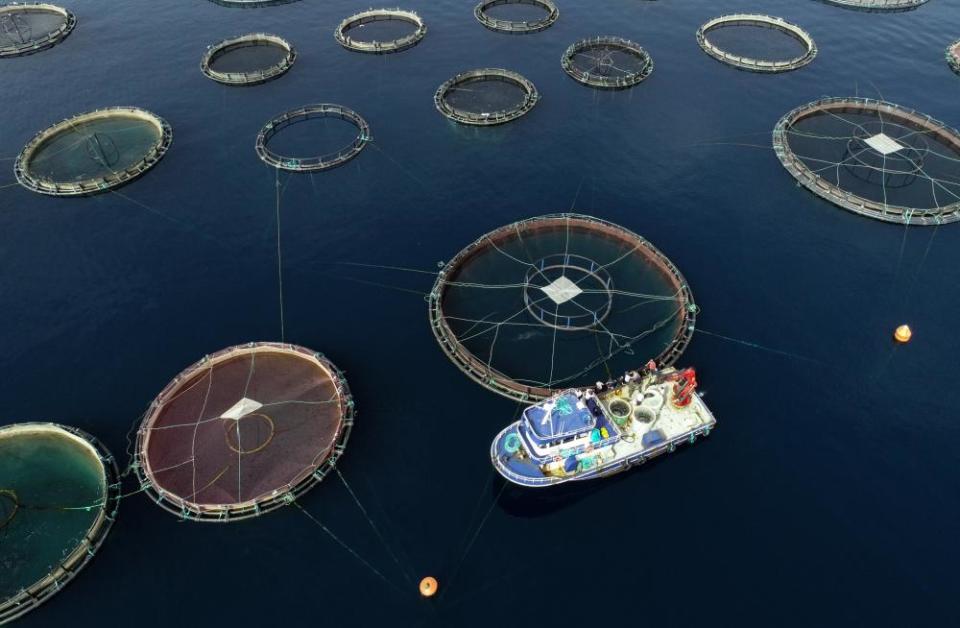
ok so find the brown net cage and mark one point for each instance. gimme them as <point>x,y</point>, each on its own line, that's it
<point>244,431</point>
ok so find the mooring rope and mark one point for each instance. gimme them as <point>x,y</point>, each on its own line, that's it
<point>353,552</point>
<point>473,540</point>
<point>373,525</point>
<point>754,345</point>
<point>283,335</point>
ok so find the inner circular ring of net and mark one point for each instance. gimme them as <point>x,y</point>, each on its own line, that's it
<point>873,158</point>
<point>58,503</point>
<point>244,431</point>
<point>878,5</point>
<point>93,152</point>
<point>28,28</point>
<point>305,114</point>
<point>381,31</point>
<point>261,438</point>
<point>953,56</point>
<point>748,60</point>
<point>486,97</point>
<point>544,14</point>
<point>248,60</point>
<point>558,301</point>
<point>607,62</point>
<point>588,275</point>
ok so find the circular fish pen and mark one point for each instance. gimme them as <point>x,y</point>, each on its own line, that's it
<point>873,158</point>
<point>93,152</point>
<point>248,59</point>
<point>381,31</point>
<point>250,4</point>
<point>953,56</point>
<point>878,5</point>
<point>29,28</point>
<point>325,161</point>
<point>244,431</point>
<point>486,97</point>
<point>714,39</point>
<point>59,494</point>
<point>607,62</point>
<point>558,301</point>
<point>517,16</point>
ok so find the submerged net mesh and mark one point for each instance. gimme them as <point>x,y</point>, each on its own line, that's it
<point>557,301</point>
<point>486,97</point>
<point>28,28</point>
<point>244,431</point>
<point>874,158</point>
<point>759,43</point>
<point>381,31</point>
<point>517,16</point>
<point>58,500</point>
<point>93,152</point>
<point>248,59</point>
<point>607,62</point>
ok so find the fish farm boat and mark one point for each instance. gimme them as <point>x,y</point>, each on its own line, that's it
<point>602,430</point>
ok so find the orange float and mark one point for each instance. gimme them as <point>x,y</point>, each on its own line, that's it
<point>428,586</point>
<point>903,333</point>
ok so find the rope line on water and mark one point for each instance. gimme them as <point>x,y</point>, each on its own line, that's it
<point>373,525</point>
<point>283,335</point>
<point>353,552</point>
<point>759,346</point>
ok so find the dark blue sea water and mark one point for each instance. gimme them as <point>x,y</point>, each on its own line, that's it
<point>829,493</point>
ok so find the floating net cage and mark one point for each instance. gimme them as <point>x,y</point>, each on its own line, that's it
<point>953,56</point>
<point>759,43</point>
<point>304,115</point>
<point>517,16</point>
<point>486,97</point>
<point>381,31</point>
<point>248,59</point>
<point>874,158</point>
<point>59,494</point>
<point>607,62</point>
<point>557,301</point>
<point>878,5</point>
<point>28,28</point>
<point>250,4</point>
<point>93,152</point>
<point>243,432</point>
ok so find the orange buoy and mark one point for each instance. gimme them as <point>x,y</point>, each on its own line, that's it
<point>903,333</point>
<point>428,586</point>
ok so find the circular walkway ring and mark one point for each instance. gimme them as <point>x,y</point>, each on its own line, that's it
<point>953,56</point>
<point>312,164</point>
<point>517,27</point>
<point>492,379</point>
<point>878,5</point>
<point>764,21</point>
<point>277,498</point>
<point>380,15</point>
<point>531,96</point>
<point>87,187</point>
<point>598,80</point>
<point>49,40</point>
<point>263,75</point>
<point>39,592</point>
<point>852,202</point>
